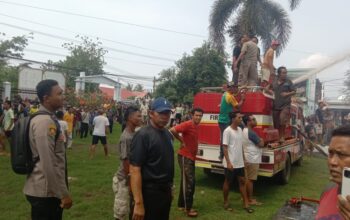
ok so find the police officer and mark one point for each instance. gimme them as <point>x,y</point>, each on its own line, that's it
<point>46,187</point>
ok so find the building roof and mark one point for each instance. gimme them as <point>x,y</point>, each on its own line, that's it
<point>125,94</point>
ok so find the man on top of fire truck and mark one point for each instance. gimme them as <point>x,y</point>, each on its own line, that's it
<point>283,89</point>
<point>228,104</point>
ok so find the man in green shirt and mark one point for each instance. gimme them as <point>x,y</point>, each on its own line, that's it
<point>228,104</point>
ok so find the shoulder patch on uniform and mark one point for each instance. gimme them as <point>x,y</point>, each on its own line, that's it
<point>52,130</point>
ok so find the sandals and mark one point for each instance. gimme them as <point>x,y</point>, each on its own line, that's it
<point>249,210</point>
<point>227,207</point>
<point>192,213</point>
<point>254,202</point>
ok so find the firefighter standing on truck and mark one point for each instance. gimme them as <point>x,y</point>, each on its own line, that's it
<point>228,104</point>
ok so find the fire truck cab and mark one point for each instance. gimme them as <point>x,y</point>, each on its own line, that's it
<point>276,158</point>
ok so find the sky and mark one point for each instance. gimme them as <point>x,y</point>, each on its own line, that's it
<point>318,33</point>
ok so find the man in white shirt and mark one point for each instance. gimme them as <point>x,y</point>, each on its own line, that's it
<point>9,119</point>
<point>7,125</point>
<point>252,145</point>
<point>100,124</point>
<point>234,160</point>
<point>63,125</point>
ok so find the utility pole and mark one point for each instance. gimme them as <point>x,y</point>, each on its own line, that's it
<point>154,84</point>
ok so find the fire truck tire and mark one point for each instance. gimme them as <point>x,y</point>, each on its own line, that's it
<point>207,171</point>
<point>284,175</point>
<point>299,162</point>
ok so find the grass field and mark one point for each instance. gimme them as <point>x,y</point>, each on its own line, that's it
<point>91,188</point>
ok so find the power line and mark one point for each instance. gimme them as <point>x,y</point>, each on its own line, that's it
<point>39,62</point>
<point>125,44</point>
<point>136,81</point>
<point>108,57</point>
<point>140,78</point>
<point>45,52</point>
<point>132,61</point>
<point>70,68</point>
<point>126,72</point>
<point>105,39</point>
<point>77,41</point>
<point>46,45</point>
<point>61,55</point>
<point>105,19</point>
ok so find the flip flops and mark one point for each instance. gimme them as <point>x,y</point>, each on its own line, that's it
<point>256,203</point>
<point>227,207</point>
<point>192,213</point>
<point>181,209</point>
<point>249,210</point>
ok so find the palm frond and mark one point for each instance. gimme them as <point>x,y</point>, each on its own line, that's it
<point>241,25</point>
<point>265,19</point>
<point>293,4</point>
<point>220,14</point>
<point>277,23</point>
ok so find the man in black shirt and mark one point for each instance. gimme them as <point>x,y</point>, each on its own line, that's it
<point>283,89</point>
<point>235,55</point>
<point>152,165</point>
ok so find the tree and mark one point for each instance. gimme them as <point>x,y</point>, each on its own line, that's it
<point>129,87</point>
<point>11,48</point>
<point>166,86</point>
<point>9,74</point>
<point>89,99</point>
<point>138,88</point>
<point>264,18</point>
<point>86,56</point>
<point>206,67</point>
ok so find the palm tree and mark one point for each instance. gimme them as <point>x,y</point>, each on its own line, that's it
<point>264,18</point>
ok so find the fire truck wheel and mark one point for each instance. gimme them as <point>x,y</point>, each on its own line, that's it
<point>284,175</point>
<point>207,171</point>
<point>299,162</point>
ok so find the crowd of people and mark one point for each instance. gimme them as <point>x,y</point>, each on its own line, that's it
<point>146,173</point>
<point>144,182</point>
<point>320,125</point>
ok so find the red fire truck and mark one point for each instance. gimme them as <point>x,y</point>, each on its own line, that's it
<point>276,158</point>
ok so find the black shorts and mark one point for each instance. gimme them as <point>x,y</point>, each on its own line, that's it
<point>230,175</point>
<point>95,139</point>
<point>178,116</point>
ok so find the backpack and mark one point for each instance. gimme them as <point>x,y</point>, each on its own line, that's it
<point>21,153</point>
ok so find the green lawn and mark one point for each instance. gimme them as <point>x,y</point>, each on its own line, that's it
<point>93,197</point>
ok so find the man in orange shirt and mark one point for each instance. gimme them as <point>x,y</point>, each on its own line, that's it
<point>267,67</point>
<point>186,158</point>
<point>69,118</point>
